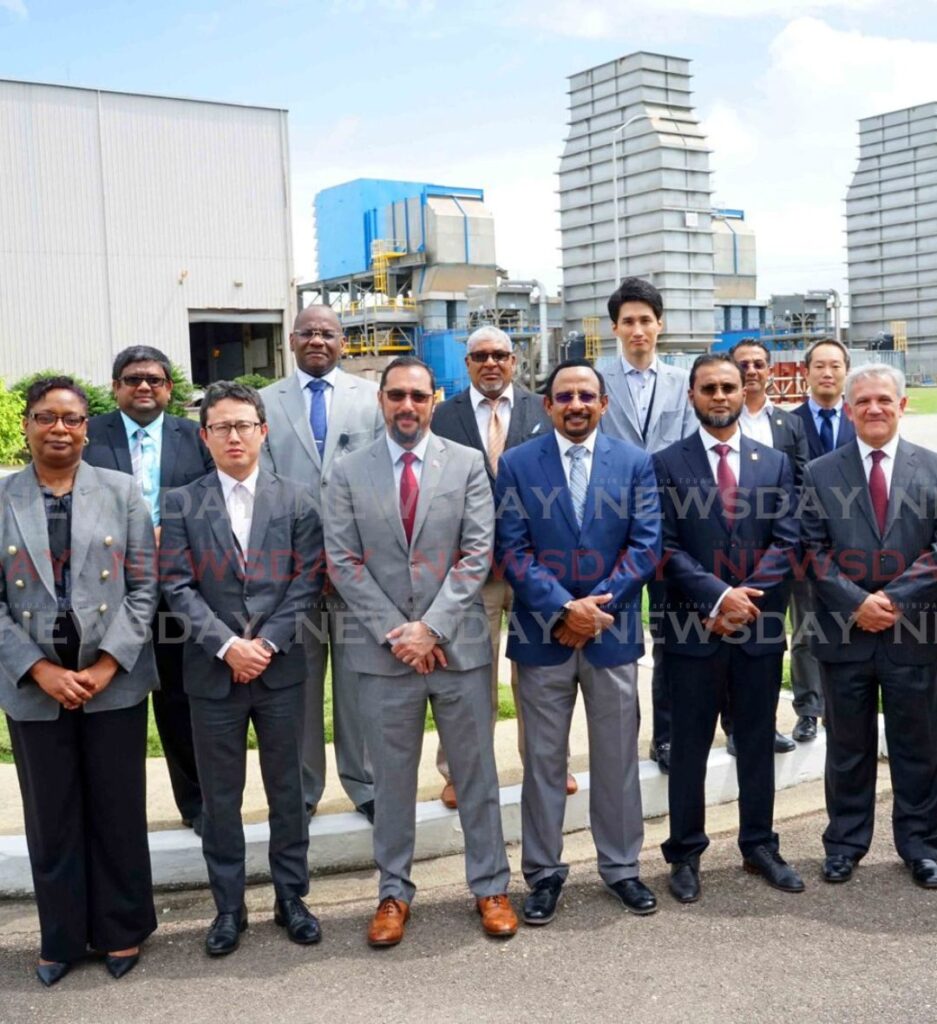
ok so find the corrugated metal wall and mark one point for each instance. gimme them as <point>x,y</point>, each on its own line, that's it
<point>120,213</point>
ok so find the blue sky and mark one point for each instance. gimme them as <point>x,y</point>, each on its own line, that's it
<point>474,94</point>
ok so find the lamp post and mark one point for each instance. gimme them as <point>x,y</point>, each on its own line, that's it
<point>619,131</point>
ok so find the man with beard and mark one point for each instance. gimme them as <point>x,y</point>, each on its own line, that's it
<point>409,531</point>
<point>730,540</point>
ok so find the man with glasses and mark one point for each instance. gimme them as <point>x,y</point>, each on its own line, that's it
<point>409,529</point>
<point>241,563</point>
<point>579,535</point>
<point>162,451</point>
<point>317,416</point>
<point>493,414</point>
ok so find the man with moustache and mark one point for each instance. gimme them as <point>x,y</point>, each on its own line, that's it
<point>409,530</point>
<point>870,533</point>
<point>493,414</point>
<point>730,542</point>
<point>317,416</point>
<point>577,565</point>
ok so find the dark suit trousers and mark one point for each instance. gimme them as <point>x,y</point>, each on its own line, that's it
<point>83,780</point>
<point>909,703</point>
<point>219,728</point>
<point>171,710</point>
<point>660,691</point>
<point>699,688</point>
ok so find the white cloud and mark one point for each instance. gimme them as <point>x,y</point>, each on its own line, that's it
<point>17,7</point>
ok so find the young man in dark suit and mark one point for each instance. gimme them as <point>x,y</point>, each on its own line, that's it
<point>162,451</point>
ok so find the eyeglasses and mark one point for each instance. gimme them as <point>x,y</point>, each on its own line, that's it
<point>134,380</point>
<point>71,420</point>
<point>711,389</point>
<point>244,428</point>
<point>482,357</point>
<point>311,333</point>
<point>751,364</point>
<point>586,397</point>
<point>417,397</point>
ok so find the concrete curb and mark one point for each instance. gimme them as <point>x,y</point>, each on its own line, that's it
<point>342,842</point>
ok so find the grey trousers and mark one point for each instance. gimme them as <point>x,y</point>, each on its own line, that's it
<point>354,767</point>
<point>548,695</point>
<point>395,711</point>
<point>219,729</point>
<point>806,680</point>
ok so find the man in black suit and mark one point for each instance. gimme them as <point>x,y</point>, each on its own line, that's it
<point>730,541</point>
<point>492,414</point>
<point>826,427</point>
<point>161,451</point>
<point>869,522</point>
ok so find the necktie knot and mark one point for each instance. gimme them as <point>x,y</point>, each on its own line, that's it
<point>577,452</point>
<point>317,384</point>
<point>722,450</point>
<point>827,414</point>
<point>408,458</point>
<point>877,456</point>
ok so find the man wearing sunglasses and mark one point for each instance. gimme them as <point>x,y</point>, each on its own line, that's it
<point>493,414</point>
<point>408,533</point>
<point>317,416</point>
<point>162,451</point>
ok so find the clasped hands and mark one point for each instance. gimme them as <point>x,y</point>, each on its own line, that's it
<point>73,688</point>
<point>414,645</point>
<point>584,621</point>
<point>876,613</point>
<point>247,659</point>
<point>737,609</point>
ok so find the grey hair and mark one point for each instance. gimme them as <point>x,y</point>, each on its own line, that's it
<point>874,370</point>
<point>488,333</point>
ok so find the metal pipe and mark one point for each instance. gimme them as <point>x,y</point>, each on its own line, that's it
<point>837,314</point>
<point>620,130</point>
<point>544,328</point>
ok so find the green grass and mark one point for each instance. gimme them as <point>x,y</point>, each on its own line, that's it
<point>922,400</point>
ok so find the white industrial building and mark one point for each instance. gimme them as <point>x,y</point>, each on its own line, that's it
<point>128,219</point>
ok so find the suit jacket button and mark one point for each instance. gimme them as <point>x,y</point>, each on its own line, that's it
<point>27,614</point>
<point>105,574</point>
<point>11,550</point>
<point>20,584</point>
<point>103,609</point>
<point>108,541</point>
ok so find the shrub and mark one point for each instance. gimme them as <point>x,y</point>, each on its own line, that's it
<point>254,380</point>
<point>100,397</point>
<point>11,427</point>
<point>182,390</point>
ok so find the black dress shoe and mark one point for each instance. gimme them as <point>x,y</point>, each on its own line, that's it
<point>224,936</point>
<point>805,730</point>
<point>838,867</point>
<point>924,872</point>
<point>367,809</point>
<point>774,869</point>
<point>730,745</point>
<point>50,974</point>
<point>118,966</point>
<point>684,881</point>
<point>660,753</point>
<point>540,904</point>
<point>782,744</point>
<point>301,925</point>
<point>634,895</point>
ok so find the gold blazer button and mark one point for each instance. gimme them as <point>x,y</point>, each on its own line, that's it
<point>20,584</point>
<point>11,550</point>
<point>27,614</point>
<point>103,609</point>
<point>108,541</point>
<point>105,574</point>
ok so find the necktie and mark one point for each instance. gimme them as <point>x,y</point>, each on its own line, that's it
<point>878,491</point>
<point>495,435</point>
<point>240,512</point>
<point>578,482</point>
<point>409,494</point>
<point>143,459</point>
<point>317,418</point>
<point>725,481</point>
<point>826,429</point>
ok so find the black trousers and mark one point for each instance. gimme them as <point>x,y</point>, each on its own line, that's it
<point>909,704</point>
<point>660,690</point>
<point>699,688</point>
<point>83,781</point>
<point>171,711</point>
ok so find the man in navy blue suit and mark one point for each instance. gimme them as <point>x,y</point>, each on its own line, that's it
<point>578,535</point>
<point>730,541</point>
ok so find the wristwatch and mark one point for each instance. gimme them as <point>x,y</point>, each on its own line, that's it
<point>434,633</point>
<point>265,643</point>
<point>565,610</point>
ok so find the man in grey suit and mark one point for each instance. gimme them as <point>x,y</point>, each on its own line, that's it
<point>648,406</point>
<point>241,563</point>
<point>869,522</point>
<point>316,416</point>
<point>493,414</point>
<point>409,530</point>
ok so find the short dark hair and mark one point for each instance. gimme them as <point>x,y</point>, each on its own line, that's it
<point>808,355</point>
<point>140,354</point>
<point>222,389</point>
<point>43,385</point>
<point>750,343</point>
<point>403,361</point>
<point>712,359</point>
<point>569,364</point>
<point>635,289</point>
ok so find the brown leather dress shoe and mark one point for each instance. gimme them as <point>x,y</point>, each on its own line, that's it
<point>448,796</point>
<point>498,917</point>
<point>572,786</point>
<point>386,928</point>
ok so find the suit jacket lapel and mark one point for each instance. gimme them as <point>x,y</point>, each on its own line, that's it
<point>701,476</point>
<point>431,474</point>
<point>294,405</point>
<point>853,472</point>
<point>84,517</point>
<point>555,481</point>
<point>30,514</point>
<point>266,494</point>
<point>216,511</point>
<point>847,432</point>
<point>620,381</point>
<point>117,438</point>
<point>343,397</point>
<point>386,494</point>
<point>901,479</point>
<point>598,478</point>
<point>170,449</point>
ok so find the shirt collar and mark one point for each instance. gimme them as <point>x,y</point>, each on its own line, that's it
<point>815,408</point>
<point>710,442</point>
<point>228,483</point>
<point>305,378</point>
<point>889,449</point>
<point>396,450</point>
<point>565,444</point>
<point>628,368</point>
<point>154,429</point>
<point>765,410</point>
<point>477,397</point>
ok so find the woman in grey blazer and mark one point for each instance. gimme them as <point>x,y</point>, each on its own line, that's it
<point>78,591</point>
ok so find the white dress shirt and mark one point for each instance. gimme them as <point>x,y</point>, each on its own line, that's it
<point>641,385</point>
<point>887,464</point>
<point>757,425</point>
<point>240,517</point>
<point>483,411</point>
<point>567,463</point>
<point>329,378</point>
<point>396,452</point>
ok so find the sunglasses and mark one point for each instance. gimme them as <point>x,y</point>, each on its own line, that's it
<point>586,397</point>
<point>417,397</point>
<point>711,389</point>
<point>134,380</point>
<point>483,357</point>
